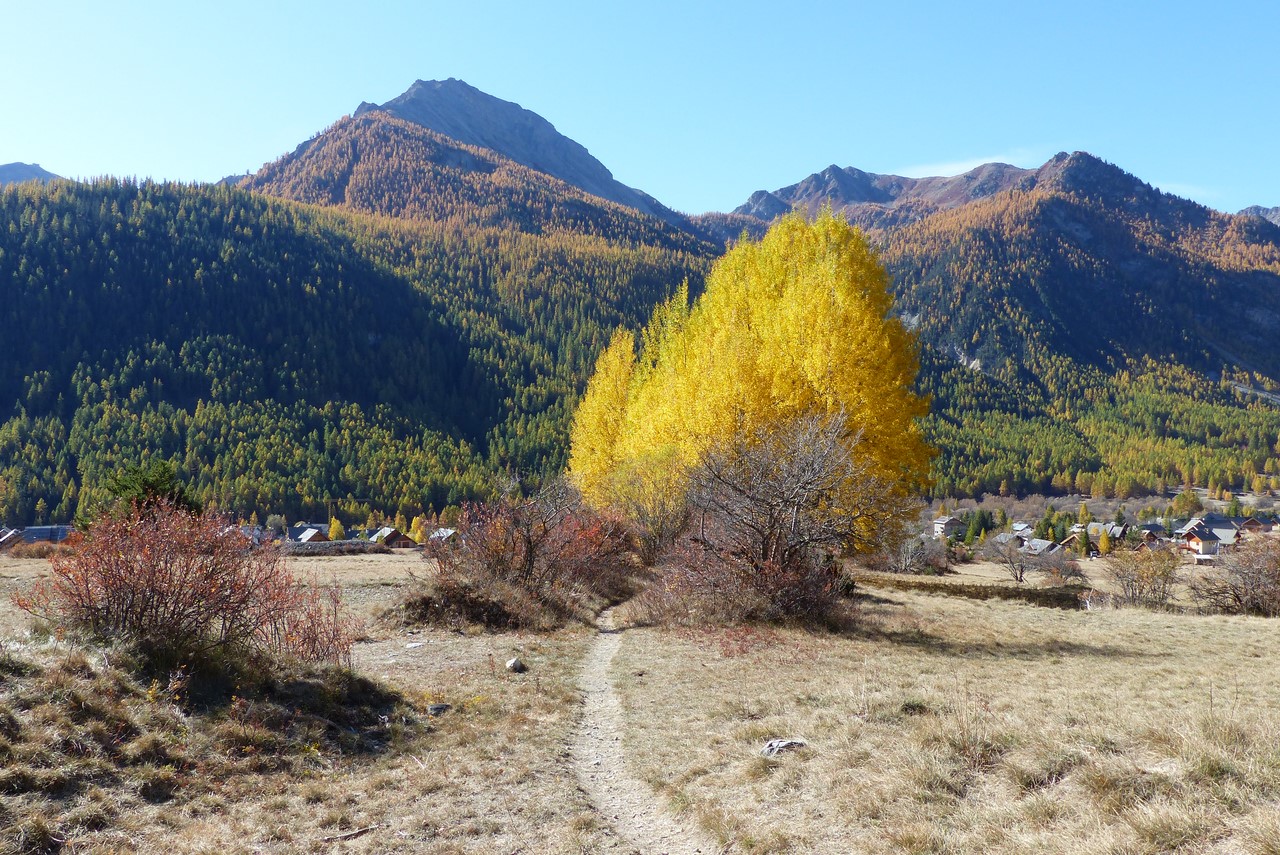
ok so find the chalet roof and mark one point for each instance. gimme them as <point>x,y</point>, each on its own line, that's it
<point>1201,532</point>
<point>1115,531</point>
<point>1225,533</point>
<point>298,530</point>
<point>37,533</point>
<point>945,519</point>
<point>385,533</point>
<point>442,534</point>
<point>1039,546</point>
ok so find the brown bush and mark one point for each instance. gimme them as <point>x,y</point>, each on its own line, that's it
<point>530,562</point>
<point>1245,582</point>
<point>184,587</point>
<point>1144,578</point>
<point>699,583</point>
<point>40,549</point>
<point>770,507</point>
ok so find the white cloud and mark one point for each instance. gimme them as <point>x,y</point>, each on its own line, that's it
<point>1196,192</point>
<point>1023,157</point>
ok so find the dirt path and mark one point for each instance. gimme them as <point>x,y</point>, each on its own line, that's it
<point>634,810</point>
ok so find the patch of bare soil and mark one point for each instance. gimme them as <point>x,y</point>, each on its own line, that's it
<point>632,809</point>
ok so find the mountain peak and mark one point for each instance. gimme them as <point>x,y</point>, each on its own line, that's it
<point>13,173</point>
<point>464,113</point>
<point>1081,172</point>
<point>1272,214</point>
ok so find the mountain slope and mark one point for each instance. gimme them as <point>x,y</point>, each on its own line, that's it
<point>1270,214</point>
<point>292,358</point>
<point>379,164</point>
<point>1088,261</point>
<point>1080,330</point>
<point>463,113</point>
<point>881,200</point>
<point>13,173</point>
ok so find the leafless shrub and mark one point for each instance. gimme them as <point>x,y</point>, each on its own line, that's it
<point>1061,568</point>
<point>770,508</point>
<point>184,586</point>
<point>1008,553</point>
<point>911,555</point>
<point>547,547</point>
<point>1246,581</point>
<point>40,549</point>
<point>1145,578</point>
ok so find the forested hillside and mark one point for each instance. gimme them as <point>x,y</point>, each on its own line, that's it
<point>386,319</point>
<point>1095,334</point>
<point>1080,330</point>
<point>379,164</point>
<point>291,358</point>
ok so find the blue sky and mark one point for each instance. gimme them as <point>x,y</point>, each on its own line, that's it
<point>698,104</point>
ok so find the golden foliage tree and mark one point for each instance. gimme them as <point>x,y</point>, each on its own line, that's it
<point>795,325</point>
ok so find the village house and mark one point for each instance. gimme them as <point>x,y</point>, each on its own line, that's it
<point>1198,538</point>
<point>944,528</point>
<point>49,533</point>
<point>394,538</point>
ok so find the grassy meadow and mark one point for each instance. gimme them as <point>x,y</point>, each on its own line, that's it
<point>935,724</point>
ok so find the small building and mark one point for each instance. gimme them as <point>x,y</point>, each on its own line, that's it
<point>50,533</point>
<point>1079,541</point>
<point>944,528</point>
<point>1037,546</point>
<point>394,538</point>
<point>1198,538</point>
<point>9,536</point>
<point>442,534</point>
<point>309,533</point>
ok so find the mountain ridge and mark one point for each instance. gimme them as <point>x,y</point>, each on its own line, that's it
<point>1269,214</point>
<point>15,173</point>
<point>462,112</point>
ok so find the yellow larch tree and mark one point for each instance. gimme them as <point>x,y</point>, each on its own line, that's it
<point>799,323</point>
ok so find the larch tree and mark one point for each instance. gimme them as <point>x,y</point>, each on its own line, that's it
<point>797,325</point>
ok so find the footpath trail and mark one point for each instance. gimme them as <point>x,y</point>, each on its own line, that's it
<point>636,813</point>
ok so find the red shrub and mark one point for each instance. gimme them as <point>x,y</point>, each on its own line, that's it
<point>546,547</point>
<point>183,586</point>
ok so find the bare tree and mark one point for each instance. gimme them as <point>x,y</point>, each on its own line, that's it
<point>913,554</point>
<point>1145,578</point>
<point>1247,581</point>
<point>775,503</point>
<point>1009,554</point>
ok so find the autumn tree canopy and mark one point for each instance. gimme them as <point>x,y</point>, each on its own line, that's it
<point>797,324</point>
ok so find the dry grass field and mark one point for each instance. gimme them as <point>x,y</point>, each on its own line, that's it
<point>488,775</point>
<point>954,726</point>
<point>937,725</point>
